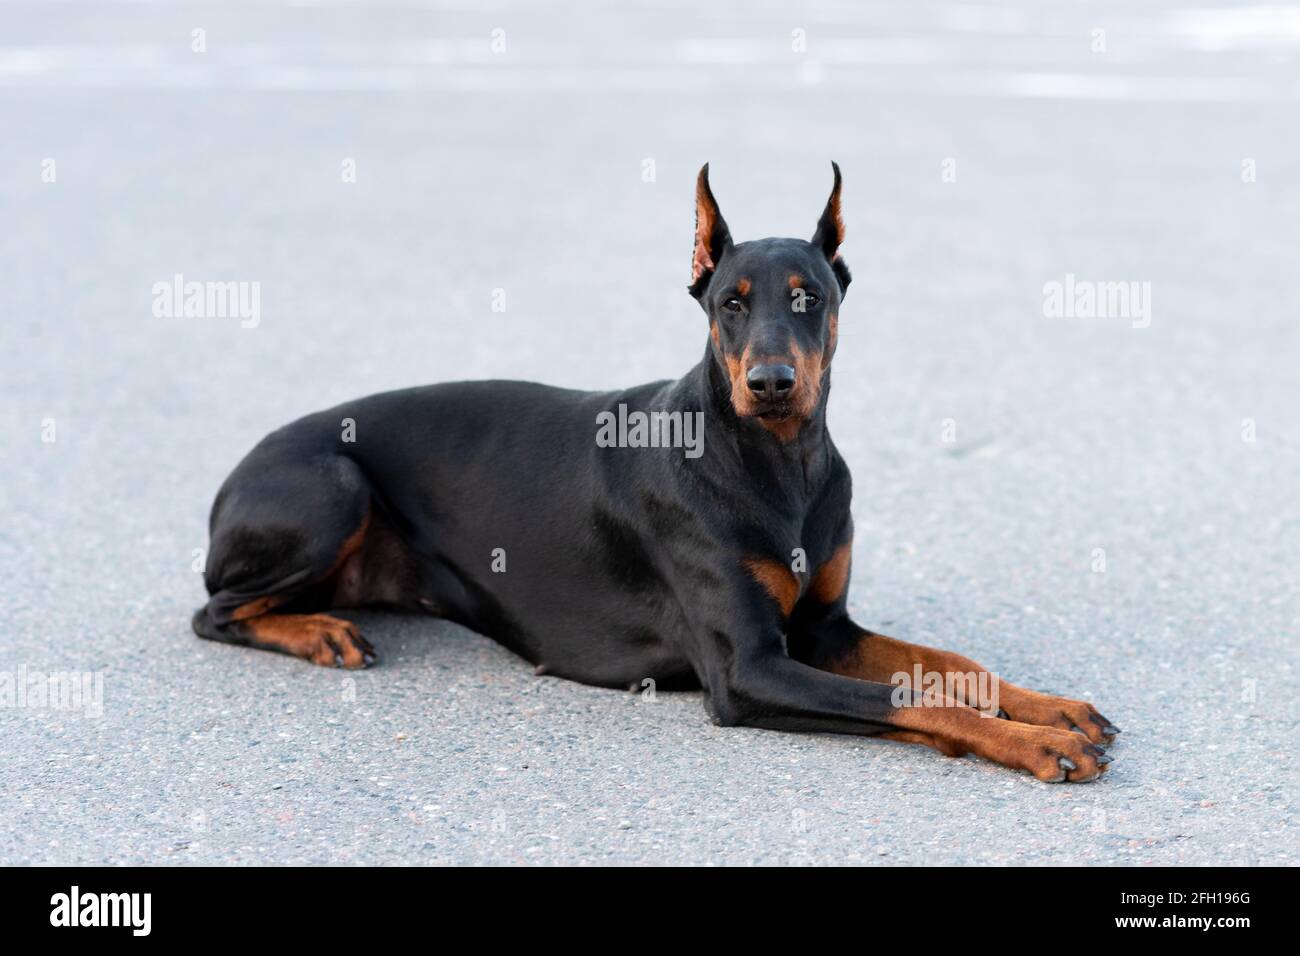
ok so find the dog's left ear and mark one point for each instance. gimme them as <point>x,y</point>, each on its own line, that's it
<point>830,233</point>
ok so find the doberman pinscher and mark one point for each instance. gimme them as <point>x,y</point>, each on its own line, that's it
<point>726,567</point>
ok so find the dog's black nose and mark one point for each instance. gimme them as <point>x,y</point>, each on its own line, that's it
<point>770,382</point>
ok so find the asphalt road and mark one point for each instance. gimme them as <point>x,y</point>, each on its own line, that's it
<point>1165,446</point>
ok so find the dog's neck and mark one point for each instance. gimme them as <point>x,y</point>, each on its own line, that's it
<point>795,465</point>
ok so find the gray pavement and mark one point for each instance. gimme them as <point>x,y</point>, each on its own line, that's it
<point>1170,451</point>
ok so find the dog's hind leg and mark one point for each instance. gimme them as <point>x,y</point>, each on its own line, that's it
<point>281,530</point>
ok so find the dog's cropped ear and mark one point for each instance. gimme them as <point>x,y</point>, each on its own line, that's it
<point>830,233</point>
<point>712,238</point>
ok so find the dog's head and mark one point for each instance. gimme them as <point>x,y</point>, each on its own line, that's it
<point>773,308</point>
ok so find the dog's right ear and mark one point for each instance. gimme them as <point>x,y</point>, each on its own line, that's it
<point>712,238</point>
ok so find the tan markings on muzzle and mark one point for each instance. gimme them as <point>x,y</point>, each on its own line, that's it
<point>741,399</point>
<point>803,398</point>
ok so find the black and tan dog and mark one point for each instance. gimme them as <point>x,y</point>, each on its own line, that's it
<point>493,504</point>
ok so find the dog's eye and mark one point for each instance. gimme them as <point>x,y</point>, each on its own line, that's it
<point>732,305</point>
<point>810,300</point>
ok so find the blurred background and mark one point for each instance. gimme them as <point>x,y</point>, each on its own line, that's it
<point>389,171</point>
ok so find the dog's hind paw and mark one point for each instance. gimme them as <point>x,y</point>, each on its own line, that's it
<point>319,638</point>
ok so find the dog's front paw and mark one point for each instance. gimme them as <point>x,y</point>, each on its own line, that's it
<point>1046,710</point>
<point>1050,754</point>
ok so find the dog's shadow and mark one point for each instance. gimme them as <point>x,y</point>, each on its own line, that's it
<point>409,643</point>
<point>405,640</point>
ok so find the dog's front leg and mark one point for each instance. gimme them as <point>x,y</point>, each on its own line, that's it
<point>838,645</point>
<point>765,688</point>
<point>751,680</point>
